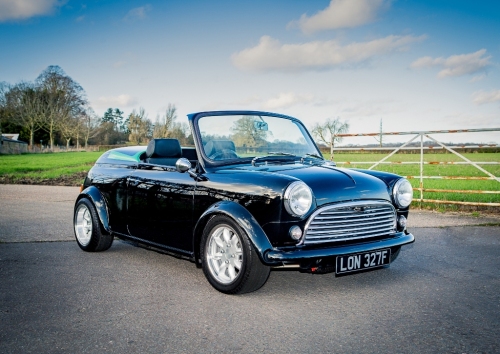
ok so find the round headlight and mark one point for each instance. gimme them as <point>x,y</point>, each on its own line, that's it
<point>298,199</point>
<point>402,193</point>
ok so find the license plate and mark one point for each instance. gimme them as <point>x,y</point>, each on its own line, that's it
<point>359,261</point>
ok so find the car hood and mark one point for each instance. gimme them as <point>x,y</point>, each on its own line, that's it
<point>330,184</point>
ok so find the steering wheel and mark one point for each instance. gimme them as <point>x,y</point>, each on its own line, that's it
<point>225,154</point>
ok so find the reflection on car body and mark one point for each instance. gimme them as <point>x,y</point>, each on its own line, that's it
<point>254,193</point>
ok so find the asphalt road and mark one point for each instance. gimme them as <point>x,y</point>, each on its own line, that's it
<point>442,295</point>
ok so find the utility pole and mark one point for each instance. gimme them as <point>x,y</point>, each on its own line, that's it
<point>380,134</point>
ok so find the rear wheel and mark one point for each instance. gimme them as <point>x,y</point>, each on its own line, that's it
<point>229,260</point>
<point>88,232</point>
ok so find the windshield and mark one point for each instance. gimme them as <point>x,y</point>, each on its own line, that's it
<point>250,136</point>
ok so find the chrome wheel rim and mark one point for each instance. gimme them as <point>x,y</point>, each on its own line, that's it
<point>224,254</point>
<point>83,225</point>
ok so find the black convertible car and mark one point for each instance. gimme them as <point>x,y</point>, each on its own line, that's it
<point>254,193</point>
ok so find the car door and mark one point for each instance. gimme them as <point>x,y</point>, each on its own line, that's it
<point>160,207</point>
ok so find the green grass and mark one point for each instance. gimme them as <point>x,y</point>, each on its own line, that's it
<point>46,167</point>
<point>70,167</point>
<point>452,170</point>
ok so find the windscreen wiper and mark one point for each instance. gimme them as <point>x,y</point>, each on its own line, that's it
<point>311,156</point>
<point>278,157</point>
<point>280,153</point>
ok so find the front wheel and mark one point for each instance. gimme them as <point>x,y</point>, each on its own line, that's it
<point>229,260</point>
<point>89,235</point>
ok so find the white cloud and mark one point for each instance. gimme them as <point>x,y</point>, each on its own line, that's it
<point>138,13</point>
<point>270,54</point>
<point>24,9</point>
<point>486,97</point>
<point>341,14</point>
<point>456,65</point>
<point>287,99</point>
<point>120,101</point>
<point>478,78</point>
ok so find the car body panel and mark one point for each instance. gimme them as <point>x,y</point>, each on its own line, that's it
<point>165,208</point>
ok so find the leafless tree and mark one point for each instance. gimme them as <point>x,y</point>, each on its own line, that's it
<point>140,127</point>
<point>65,101</point>
<point>25,101</point>
<point>4,89</point>
<point>90,125</point>
<point>68,126</point>
<point>165,125</point>
<point>246,134</point>
<point>328,132</point>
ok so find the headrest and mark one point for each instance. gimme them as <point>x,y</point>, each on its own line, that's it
<point>164,148</point>
<point>218,145</point>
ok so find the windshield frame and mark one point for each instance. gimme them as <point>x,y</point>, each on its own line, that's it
<point>208,163</point>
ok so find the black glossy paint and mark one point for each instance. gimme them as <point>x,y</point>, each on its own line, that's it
<point>159,206</point>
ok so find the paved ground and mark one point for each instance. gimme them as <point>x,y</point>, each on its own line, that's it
<point>50,210</point>
<point>441,295</point>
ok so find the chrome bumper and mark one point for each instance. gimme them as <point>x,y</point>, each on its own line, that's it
<point>298,255</point>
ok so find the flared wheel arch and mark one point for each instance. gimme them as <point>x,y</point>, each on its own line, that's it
<point>235,211</point>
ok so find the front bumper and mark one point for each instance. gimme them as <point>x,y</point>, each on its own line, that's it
<point>299,255</point>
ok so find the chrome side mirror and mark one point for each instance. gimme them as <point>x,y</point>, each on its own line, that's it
<point>183,165</point>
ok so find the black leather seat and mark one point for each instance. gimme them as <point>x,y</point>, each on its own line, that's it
<point>163,152</point>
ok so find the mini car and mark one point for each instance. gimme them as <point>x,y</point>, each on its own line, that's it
<point>254,193</point>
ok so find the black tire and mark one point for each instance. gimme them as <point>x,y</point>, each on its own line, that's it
<point>88,231</point>
<point>229,260</point>
<point>395,253</point>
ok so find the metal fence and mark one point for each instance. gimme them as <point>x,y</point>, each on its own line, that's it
<point>421,176</point>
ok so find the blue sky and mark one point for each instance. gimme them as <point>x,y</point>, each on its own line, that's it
<point>418,65</point>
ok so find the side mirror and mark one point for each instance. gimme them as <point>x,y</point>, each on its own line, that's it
<point>183,165</point>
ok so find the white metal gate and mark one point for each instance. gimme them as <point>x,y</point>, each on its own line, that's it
<point>421,176</point>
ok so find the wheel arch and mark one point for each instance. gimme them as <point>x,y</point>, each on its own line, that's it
<point>100,205</point>
<point>243,218</point>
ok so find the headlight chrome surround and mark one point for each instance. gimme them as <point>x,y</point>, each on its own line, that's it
<point>298,199</point>
<point>402,193</point>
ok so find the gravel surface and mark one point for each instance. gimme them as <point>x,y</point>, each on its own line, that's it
<point>51,210</point>
<point>442,295</point>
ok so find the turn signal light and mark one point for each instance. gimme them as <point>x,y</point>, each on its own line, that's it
<point>402,221</point>
<point>295,233</point>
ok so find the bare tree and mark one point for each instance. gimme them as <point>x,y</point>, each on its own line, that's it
<point>69,128</point>
<point>4,110</point>
<point>90,125</point>
<point>64,100</point>
<point>25,101</point>
<point>328,132</point>
<point>246,134</point>
<point>140,127</point>
<point>165,125</point>
<point>4,89</point>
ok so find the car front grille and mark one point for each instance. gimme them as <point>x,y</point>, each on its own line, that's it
<point>350,221</point>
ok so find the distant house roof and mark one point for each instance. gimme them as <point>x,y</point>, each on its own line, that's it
<point>7,137</point>
<point>11,136</point>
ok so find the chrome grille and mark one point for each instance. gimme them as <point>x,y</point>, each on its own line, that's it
<point>350,221</point>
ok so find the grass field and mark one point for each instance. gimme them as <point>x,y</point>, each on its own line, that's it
<point>69,168</point>
<point>353,160</point>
